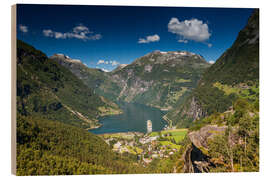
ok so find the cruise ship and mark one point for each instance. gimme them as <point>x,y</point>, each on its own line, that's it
<point>149,126</point>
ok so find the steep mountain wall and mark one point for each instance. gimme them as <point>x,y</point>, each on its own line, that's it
<point>237,68</point>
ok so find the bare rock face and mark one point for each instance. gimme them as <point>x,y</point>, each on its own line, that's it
<point>195,111</point>
<point>159,79</point>
<point>195,161</point>
<point>201,137</point>
<point>74,65</point>
<point>195,157</point>
<point>148,68</point>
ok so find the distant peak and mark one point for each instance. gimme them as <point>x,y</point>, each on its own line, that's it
<point>183,53</point>
<point>65,58</point>
<point>119,67</point>
<point>122,65</point>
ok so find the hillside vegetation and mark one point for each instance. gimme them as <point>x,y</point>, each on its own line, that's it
<point>46,147</point>
<point>218,106</point>
<point>158,79</point>
<point>222,113</point>
<point>234,75</point>
<point>47,89</point>
<point>99,81</point>
<point>53,109</point>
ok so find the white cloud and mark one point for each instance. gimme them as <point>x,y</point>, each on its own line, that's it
<point>78,32</point>
<point>209,45</point>
<point>114,63</point>
<point>211,62</point>
<point>23,28</point>
<point>183,41</point>
<point>48,33</point>
<point>100,62</point>
<point>81,28</point>
<point>148,39</point>
<point>193,29</point>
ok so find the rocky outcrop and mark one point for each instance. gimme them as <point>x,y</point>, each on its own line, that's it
<point>186,112</point>
<point>201,137</point>
<point>196,158</point>
<point>74,65</point>
<point>195,161</point>
<point>119,67</point>
<point>193,111</point>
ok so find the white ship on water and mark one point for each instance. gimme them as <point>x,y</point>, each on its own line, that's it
<point>149,126</point>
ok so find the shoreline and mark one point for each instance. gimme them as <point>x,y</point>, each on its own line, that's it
<point>165,127</point>
<point>168,121</point>
<point>103,115</point>
<point>123,133</point>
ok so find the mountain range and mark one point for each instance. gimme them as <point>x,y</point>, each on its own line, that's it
<point>158,79</point>
<point>59,97</point>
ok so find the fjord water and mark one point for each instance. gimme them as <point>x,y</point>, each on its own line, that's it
<point>134,118</point>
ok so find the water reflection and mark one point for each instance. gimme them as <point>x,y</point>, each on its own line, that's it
<point>133,119</point>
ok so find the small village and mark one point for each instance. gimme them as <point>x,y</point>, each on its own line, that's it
<point>149,146</point>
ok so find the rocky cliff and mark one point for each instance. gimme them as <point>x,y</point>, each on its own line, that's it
<point>160,79</point>
<point>157,79</point>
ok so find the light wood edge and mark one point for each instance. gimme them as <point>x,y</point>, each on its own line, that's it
<point>13,86</point>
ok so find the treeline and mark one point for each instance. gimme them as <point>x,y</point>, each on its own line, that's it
<point>51,138</point>
<point>46,147</point>
<point>238,149</point>
<point>238,65</point>
<point>47,89</point>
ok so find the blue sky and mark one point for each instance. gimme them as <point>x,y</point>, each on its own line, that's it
<point>104,36</point>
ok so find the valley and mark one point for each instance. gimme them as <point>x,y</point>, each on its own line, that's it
<point>166,112</point>
<point>133,119</point>
<point>147,147</point>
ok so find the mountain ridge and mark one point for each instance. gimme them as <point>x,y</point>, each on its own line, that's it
<point>45,88</point>
<point>150,79</point>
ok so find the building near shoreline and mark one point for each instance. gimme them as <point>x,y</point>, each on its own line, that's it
<point>149,126</point>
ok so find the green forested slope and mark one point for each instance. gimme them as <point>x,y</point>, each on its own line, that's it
<point>96,79</point>
<point>53,109</point>
<point>157,79</point>
<point>47,89</point>
<point>237,68</point>
<point>160,79</point>
<point>46,147</point>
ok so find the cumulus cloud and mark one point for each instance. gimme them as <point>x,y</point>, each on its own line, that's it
<point>211,62</point>
<point>193,29</point>
<point>100,62</point>
<point>112,62</point>
<point>23,28</point>
<point>78,32</point>
<point>148,39</point>
<point>48,33</point>
<point>183,41</point>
